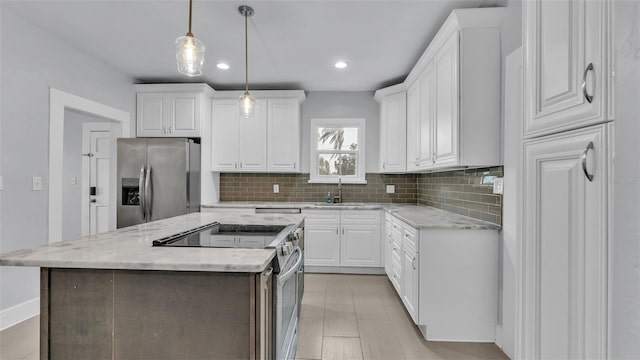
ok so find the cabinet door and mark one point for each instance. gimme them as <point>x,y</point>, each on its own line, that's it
<point>321,245</point>
<point>151,112</point>
<point>413,126</point>
<point>283,142</point>
<point>360,245</point>
<point>427,116</point>
<point>410,282</point>
<point>446,112</point>
<point>393,133</point>
<point>224,135</point>
<point>565,246</point>
<point>252,150</point>
<point>564,48</point>
<point>184,120</point>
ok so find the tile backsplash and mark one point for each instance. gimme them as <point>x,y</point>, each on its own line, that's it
<point>460,191</point>
<point>295,188</point>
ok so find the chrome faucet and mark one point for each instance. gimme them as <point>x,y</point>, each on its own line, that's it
<point>338,198</point>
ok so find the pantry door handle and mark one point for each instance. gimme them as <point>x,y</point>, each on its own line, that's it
<point>587,96</point>
<point>584,161</point>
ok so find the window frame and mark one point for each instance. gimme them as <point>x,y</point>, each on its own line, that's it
<point>314,152</point>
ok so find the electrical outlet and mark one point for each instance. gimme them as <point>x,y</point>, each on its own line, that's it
<point>391,189</point>
<point>74,180</point>
<point>36,183</point>
<point>498,186</point>
<point>276,188</point>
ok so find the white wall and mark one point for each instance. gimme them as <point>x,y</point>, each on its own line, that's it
<point>72,167</point>
<point>330,104</point>
<point>625,245</point>
<point>511,39</point>
<point>32,62</point>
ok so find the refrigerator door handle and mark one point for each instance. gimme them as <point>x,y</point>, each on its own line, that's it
<point>148,193</point>
<point>141,191</point>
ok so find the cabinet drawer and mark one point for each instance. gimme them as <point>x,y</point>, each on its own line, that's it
<point>410,238</point>
<point>321,217</point>
<point>360,217</point>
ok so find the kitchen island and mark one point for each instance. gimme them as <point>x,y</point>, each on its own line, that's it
<point>113,295</point>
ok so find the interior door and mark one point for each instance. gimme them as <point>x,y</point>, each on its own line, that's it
<point>167,162</point>
<point>99,175</point>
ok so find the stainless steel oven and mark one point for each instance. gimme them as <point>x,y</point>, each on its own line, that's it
<point>287,304</point>
<point>288,269</point>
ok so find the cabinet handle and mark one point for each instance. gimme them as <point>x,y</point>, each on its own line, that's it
<point>584,161</point>
<point>383,166</point>
<point>342,231</point>
<point>169,130</point>
<point>235,165</point>
<point>337,231</point>
<point>240,164</point>
<point>587,96</point>
<point>413,263</point>
<point>164,130</point>
<point>294,165</point>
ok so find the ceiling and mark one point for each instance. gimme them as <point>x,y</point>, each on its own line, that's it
<point>293,44</point>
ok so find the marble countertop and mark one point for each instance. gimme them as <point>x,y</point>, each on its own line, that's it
<point>130,247</point>
<point>418,216</point>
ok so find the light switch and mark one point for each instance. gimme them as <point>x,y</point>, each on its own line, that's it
<point>391,189</point>
<point>498,185</point>
<point>276,188</point>
<point>36,182</point>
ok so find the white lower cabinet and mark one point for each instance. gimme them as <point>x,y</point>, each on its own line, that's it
<point>564,290</point>
<point>447,279</point>
<point>345,238</point>
<point>321,244</point>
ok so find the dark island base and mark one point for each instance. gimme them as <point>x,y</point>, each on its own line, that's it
<point>130,314</point>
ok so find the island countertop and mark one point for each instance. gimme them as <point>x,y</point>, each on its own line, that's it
<point>130,248</point>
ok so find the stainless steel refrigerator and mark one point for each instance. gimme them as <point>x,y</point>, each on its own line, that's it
<point>157,179</point>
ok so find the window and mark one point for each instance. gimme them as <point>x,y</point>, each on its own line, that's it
<point>337,151</point>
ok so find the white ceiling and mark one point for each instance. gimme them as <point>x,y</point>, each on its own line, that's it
<point>293,44</point>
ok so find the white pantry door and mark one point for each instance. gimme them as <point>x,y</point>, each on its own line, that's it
<point>96,172</point>
<point>99,177</point>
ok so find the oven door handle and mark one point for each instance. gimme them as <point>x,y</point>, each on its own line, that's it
<point>294,269</point>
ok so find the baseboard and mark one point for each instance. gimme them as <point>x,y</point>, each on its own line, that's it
<point>499,335</point>
<point>19,313</point>
<point>343,270</point>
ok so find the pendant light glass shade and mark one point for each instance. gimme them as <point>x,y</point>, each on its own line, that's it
<point>247,105</point>
<point>189,51</point>
<point>189,55</point>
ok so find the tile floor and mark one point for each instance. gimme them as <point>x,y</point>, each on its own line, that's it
<point>343,317</point>
<point>362,317</point>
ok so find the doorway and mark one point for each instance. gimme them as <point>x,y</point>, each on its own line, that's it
<point>69,111</point>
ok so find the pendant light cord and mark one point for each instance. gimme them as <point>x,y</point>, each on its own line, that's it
<point>246,55</point>
<point>190,6</point>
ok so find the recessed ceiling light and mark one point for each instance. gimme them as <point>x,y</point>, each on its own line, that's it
<point>222,66</point>
<point>341,65</point>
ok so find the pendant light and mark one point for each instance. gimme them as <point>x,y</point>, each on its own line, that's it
<point>189,52</point>
<point>247,103</point>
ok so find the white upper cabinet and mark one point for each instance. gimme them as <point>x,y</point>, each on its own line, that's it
<point>566,64</point>
<point>269,141</point>
<point>393,131</point>
<point>284,135</point>
<point>171,110</point>
<point>445,122</point>
<point>239,144</point>
<point>453,96</point>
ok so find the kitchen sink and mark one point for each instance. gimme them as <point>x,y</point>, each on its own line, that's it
<point>340,204</point>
